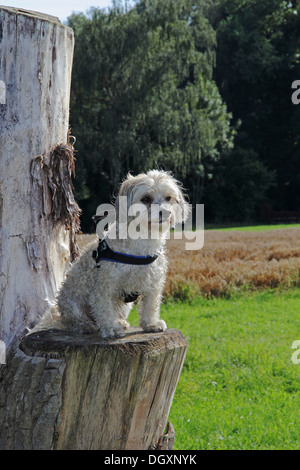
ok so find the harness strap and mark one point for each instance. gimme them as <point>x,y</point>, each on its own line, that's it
<point>127,298</point>
<point>104,253</point>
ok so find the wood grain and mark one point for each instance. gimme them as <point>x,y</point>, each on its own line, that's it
<point>36,54</point>
<point>83,392</point>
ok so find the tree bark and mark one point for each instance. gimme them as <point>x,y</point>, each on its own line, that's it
<point>36,164</point>
<point>81,392</point>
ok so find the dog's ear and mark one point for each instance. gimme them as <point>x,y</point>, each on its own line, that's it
<point>126,185</point>
<point>125,190</point>
<point>183,210</point>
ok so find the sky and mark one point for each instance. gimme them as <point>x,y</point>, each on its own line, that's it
<point>60,8</point>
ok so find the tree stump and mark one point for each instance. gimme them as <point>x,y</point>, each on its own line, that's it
<point>81,392</point>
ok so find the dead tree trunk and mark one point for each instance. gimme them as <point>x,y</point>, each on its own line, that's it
<point>36,201</point>
<point>59,391</point>
<point>80,392</point>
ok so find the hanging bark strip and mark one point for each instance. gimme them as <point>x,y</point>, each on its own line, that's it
<point>53,173</point>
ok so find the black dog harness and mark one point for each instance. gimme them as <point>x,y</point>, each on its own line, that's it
<point>104,253</point>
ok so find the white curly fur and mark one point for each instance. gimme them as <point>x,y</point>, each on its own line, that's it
<point>90,299</point>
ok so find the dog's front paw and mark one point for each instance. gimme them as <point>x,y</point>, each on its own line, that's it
<point>115,330</point>
<point>160,325</point>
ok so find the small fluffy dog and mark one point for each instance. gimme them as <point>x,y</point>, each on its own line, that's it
<point>102,285</point>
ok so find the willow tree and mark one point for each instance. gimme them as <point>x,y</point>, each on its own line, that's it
<point>143,95</point>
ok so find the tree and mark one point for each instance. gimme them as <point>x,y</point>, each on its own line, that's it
<point>38,214</point>
<point>239,184</point>
<point>257,61</point>
<point>143,96</point>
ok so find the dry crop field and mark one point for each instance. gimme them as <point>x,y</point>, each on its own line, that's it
<point>232,261</point>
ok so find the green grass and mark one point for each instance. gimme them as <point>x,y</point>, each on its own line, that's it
<point>238,388</point>
<point>255,228</point>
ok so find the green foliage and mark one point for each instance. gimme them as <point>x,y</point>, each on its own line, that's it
<point>143,95</point>
<point>258,53</point>
<point>240,183</point>
<point>173,84</point>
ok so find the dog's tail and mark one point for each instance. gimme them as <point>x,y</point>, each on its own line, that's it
<point>49,321</point>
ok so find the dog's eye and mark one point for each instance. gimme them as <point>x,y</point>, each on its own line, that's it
<point>168,198</point>
<point>146,200</point>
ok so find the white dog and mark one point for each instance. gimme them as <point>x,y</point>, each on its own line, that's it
<point>102,285</point>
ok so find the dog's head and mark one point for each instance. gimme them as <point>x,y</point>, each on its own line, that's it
<point>157,196</point>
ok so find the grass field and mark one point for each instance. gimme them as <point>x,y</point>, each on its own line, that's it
<point>256,228</point>
<point>233,261</point>
<point>239,309</point>
<point>239,388</point>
